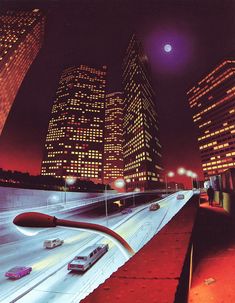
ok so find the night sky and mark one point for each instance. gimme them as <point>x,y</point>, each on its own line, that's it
<point>201,34</point>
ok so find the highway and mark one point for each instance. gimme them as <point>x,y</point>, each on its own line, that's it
<point>50,281</point>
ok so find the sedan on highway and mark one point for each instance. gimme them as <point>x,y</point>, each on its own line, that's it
<point>52,243</point>
<point>126,211</point>
<point>180,197</point>
<point>88,257</point>
<point>18,272</point>
<point>154,206</point>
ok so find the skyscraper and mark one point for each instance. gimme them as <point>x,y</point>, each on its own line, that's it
<point>74,142</point>
<point>113,138</point>
<point>142,149</point>
<point>21,36</point>
<point>212,101</point>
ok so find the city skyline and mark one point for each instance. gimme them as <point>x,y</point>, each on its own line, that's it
<point>95,43</point>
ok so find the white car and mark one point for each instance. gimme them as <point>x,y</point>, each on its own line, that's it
<point>52,243</point>
<point>88,257</point>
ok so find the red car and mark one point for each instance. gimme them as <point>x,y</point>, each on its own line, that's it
<point>18,272</point>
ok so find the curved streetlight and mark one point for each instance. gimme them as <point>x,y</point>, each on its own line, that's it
<point>25,222</point>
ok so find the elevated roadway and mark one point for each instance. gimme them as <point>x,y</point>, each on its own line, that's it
<point>50,281</point>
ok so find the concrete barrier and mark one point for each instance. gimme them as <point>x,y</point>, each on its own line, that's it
<point>226,200</point>
<point>13,198</point>
<point>160,272</point>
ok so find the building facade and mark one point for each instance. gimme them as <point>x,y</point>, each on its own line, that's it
<point>21,36</point>
<point>74,142</point>
<point>212,101</point>
<point>142,148</point>
<point>113,138</point>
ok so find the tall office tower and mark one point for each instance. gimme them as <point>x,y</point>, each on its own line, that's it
<point>113,138</point>
<point>21,36</point>
<point>142,149</point>
<point>74,141</point>
<point>212,101</point>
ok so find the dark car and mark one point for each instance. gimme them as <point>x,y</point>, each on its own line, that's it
<point>180,197</point>
<point>126,211</point>
<point>154,206</point>
<point>18,272</point>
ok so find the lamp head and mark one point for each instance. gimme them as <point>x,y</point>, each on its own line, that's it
<point>181,171</point>
<point>119,183</point>
<point>31,223</point>
<point>170,174</point>
<point>34,219</point>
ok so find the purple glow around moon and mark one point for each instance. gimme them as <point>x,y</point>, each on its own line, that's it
<point>156,48</point>
<point>167,48</point>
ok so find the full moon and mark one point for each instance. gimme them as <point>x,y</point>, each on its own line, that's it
<point>167,48</point>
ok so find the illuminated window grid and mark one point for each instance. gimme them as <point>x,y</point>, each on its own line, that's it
<point>113,142</point>
<point>214,116</point>
<point>220,80</point>
<point>75,131</point>
<point>140,120</point>
<point>20,41</point>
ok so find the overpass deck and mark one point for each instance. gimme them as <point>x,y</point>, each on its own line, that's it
<point>160,271</point>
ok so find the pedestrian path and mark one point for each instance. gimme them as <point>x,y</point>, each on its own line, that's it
<point>213,278</point>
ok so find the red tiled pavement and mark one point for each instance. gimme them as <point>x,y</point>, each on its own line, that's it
<point>214,257</point>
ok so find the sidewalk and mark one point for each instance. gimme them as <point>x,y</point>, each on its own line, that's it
<point>214,257</point>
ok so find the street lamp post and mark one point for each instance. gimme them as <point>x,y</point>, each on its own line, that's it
<point>189,173</point>
<point>128,181</point>
<point>133,194</point>
<point>119,183</point>
<point>31,223</point>
<point>169,174</point>
<point>106,204</point>
<point>194,176</point>
<point>68,181</point>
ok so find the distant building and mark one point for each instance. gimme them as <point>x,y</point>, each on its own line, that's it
<point>212,101</point>
<point>74,142</point>
<point>142,149</point>
<point>113,139</point>
<point>21,36</point>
